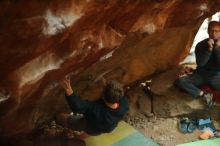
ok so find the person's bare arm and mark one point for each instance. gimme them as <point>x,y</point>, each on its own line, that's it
<point>75,102</point>
<point>211,44</point>
<point>65,83</point>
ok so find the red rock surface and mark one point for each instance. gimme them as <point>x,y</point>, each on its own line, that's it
<point>42,41</point>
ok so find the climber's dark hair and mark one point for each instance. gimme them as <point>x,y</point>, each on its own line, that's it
<point>113,91</point>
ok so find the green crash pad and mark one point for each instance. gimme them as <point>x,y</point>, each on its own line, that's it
<point>123,135</point>
<point>209,142</point>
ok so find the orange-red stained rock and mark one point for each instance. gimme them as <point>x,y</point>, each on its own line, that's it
<point>41,41</point>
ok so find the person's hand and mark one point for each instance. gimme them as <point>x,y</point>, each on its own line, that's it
<point>217,45</point>
<point>65,83</point>
<point>211,44</point>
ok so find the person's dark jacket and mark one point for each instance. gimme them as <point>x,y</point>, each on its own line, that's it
<point>208,62</point>
<point>99,117</point>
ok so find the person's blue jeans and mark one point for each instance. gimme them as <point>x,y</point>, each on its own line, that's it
<point>192,82</point>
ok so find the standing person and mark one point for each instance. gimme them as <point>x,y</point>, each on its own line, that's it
<point>100,116</point>
<point>208,66</point>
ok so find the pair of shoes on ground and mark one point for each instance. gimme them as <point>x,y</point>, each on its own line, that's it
<point>208,97</point>
<point>187,125</point>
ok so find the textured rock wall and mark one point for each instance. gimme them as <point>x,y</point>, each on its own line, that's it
<point>42,41</point>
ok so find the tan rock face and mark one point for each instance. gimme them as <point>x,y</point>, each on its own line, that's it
<point>139,102</point>
<point>161,83</point>
<point>41,41</point>
<point>178,103</point>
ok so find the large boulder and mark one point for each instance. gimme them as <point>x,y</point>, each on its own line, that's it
<point>42,41</point>
<point>139,102</point>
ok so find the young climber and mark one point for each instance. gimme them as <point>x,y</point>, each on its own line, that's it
<point>100,116</point>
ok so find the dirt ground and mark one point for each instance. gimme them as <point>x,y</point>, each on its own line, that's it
<point>164,131</point>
